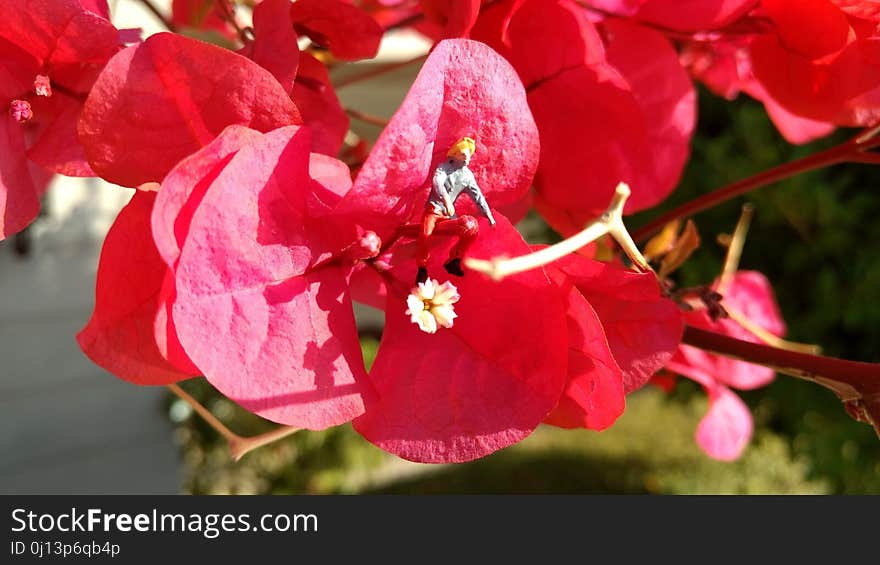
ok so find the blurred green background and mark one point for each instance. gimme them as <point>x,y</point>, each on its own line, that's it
<point>816,238</point>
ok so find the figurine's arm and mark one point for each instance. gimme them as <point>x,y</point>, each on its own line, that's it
<point>477,196</point>
<point>439,186</point>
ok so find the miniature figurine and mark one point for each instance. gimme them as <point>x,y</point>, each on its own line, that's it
<point>451,178</point>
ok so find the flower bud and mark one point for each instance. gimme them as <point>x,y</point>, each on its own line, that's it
<point>21,110</point>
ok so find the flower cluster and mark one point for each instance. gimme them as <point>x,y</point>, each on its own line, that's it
<point>248,237</point>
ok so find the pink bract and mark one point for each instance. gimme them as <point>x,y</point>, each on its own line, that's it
<point>830,61</point>
<point>172,88</point>
<point>725,68</point>
<point>120,336</point>
<point>618,7</point>
<point>727,426</point>
<point>67,43</point>
<point>346,30</point>
<point>275,47</point>
<point>666,97</point>
<point>643,327</point>
<point>751,295</point>
<point>454,18</point>
<point>200,15</point>
<point>859,8</point>
<point>598,107</point>
<point>594,395</point>
<point>19,200</point>
<point>179,196</point>
<point>693,15</point>
<point>321,111</point>
<point>725,430</point>
<point>98,7</point>
<point>464,89</point>
<point>491,378</point>
<point>484,383</point>
<point>268,327</point>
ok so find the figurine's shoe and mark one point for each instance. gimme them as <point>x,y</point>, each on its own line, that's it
<point>422,275</point>
<point>453,267</point>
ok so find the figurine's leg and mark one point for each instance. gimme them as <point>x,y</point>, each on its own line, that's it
<point>466,228</point>
<point>423,247</point>
<point>409,231</point>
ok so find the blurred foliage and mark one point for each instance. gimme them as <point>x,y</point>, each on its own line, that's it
<point>814,236</point>
<point>649,450</point>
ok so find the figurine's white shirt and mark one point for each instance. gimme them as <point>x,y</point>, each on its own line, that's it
<point>452,178</point>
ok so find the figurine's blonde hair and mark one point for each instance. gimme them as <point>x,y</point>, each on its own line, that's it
<point>461,145</point>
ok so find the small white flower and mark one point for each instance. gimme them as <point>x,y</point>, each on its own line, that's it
<point>430,305</point>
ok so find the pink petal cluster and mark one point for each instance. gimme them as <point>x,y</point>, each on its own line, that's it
<point>257,245</point>
<point>826,49</point>
<point>45,42</point>
<point>727,427</point>
<point>611,101</point>
<point>257,221</point>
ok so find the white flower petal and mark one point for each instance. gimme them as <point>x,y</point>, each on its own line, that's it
<point>444,315</point>
<point>415,306</point>
<point>427,322</point>
<point>446,294</point>
<point>426,289</point>
<point>430,305</point>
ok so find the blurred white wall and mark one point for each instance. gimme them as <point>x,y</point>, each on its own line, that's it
<point>81,210</point>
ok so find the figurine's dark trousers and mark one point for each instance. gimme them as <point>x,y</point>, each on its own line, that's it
<point>465,228</point>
